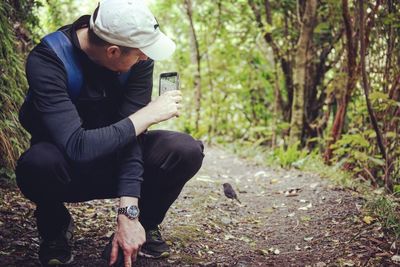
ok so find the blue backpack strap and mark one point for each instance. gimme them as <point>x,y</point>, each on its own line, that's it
<point>64,49</point>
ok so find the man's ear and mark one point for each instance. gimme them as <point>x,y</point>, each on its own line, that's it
<point>113,51</point>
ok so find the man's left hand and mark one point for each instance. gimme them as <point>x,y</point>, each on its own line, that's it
<point>129,237</point>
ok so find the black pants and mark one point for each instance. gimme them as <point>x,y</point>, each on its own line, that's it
<point>48,179</point>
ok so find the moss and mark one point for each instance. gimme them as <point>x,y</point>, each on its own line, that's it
<point>13,139</point>
<point>184,234</point>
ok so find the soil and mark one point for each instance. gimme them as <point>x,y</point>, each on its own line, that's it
<point>285,218</point>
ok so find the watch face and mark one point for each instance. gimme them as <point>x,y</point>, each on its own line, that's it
<point>133,211</point>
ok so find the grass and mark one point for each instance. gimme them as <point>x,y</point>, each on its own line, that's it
<point>386,209</point>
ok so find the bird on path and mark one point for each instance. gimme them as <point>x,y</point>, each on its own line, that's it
<point>229,192</point>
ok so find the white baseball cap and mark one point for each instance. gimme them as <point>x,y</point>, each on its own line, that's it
<point>130,23</point>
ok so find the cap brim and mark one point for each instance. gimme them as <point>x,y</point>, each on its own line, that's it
<point>162,49</point>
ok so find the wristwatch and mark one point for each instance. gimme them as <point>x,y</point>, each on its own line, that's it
<point>132,212</point>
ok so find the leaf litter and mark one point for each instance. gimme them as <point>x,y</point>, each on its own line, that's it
<point>206,229</point>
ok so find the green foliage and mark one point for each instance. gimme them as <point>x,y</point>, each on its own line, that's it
<point>53,14</point>
<point>293,155</point>
<point>13,139</point>
<point>357,150</point>
<point>236,79</point>
<point>386,209</point>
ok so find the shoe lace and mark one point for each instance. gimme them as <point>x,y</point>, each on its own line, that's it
<point>155,234</point>
<point>57,244</point>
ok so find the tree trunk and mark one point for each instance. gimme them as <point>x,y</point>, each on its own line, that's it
<point>286,64</point>
<point>352,73</point>
<point>299,78</point>
<point>371,113</point>
<point>195,58</point>
<point>391,43</point>
<point>344,99</point>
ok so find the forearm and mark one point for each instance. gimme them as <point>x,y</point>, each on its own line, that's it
<point>142,120</point>
<point>87,145</point>
<point>130,170</point>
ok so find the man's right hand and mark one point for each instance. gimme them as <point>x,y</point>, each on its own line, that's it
<point>166,106</point>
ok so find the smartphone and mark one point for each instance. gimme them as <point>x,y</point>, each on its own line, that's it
<point>168,81</point>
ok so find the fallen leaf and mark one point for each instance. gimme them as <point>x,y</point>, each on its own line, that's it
<point>348,263</point>
<point>292,192</point>
<point>305,218</point>
<point>108,234</point>
<point>213,198</point>
<point>396,259</point>
<point>339,201</point>
<point>309,238</point>
<point>260,173</point>
<point>226,220</point>
<point>262,252</point>
<point>245,239</point>
<point>269,210</point>
<point>229,237</point>
<point>274,181</point>
<point>205,178</point>
<point>368,219</point>
<point>309,206</point>
<point>274,251</point>
<point>393,246</point>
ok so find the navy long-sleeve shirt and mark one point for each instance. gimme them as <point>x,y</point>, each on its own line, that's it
<point>96,125</point>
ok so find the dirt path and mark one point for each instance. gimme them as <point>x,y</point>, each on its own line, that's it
<point>314,224</point>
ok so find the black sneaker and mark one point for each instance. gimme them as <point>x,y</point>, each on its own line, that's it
<point>57,251</point>
<point>155,247</point>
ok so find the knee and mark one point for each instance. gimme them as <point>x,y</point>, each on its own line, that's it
<point>188,151</point>
<point>34,168</point>
<point>40,158</point>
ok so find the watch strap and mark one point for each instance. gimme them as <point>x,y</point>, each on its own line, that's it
<point>124,211</point>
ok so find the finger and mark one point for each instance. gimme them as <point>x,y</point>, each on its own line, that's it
<point>174,92</point>
<point>178,98</point>
<point>134,255</point>
<point>170,92</point>
<point>114,252</point>
<point>128,260</point>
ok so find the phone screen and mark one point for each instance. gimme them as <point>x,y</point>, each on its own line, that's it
<point>169,81</point>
